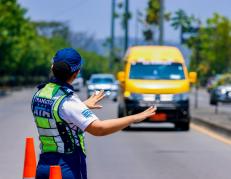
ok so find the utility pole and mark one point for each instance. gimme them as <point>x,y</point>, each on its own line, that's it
<point>161,27</point>
<point>197,63</point>
<point>126,28</point>
<point>112,55</point>
<point>137,27</point>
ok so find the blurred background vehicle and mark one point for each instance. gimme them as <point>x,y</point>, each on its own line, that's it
<point>212,81</point>
<point>78,82</point>
<point>221,90</point>
<point>106,82</point>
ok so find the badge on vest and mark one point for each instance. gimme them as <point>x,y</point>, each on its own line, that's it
<point>42,107</point>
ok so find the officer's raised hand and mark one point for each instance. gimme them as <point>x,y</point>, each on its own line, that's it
<point>143,115</point>
<point>109,126</point>
<point>94,99</point>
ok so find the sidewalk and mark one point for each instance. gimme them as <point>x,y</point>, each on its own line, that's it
<point>205,113</point>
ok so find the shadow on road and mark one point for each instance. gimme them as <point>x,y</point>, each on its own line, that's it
<point>152,129</point>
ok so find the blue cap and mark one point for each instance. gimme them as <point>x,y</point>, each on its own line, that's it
<point>69,56</point>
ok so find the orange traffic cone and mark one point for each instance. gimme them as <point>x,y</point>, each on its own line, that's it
<point>30,159</point>
<point>55,172</point>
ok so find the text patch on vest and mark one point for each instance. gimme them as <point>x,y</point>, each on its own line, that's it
<point>42,107</point>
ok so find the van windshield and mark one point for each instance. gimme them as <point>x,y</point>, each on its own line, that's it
<point>102,80</point>
<point>157,71</point>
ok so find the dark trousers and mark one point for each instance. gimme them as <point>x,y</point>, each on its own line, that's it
<point>73,165</point>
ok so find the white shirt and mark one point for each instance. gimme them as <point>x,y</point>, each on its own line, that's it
<point>76,113</point>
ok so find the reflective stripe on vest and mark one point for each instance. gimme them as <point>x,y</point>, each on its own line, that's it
<point>54,133</point>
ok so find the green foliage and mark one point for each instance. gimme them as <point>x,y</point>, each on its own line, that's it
<point>224,79</point>
<point>11,30</point>
<point>212,48</point>
<point>93,63</point>
<point>23,53</point>
<point>181,20</point>
<point>26,47</point>
<point>52,28</point>
<point>153,18</point>
<point>152,11</point>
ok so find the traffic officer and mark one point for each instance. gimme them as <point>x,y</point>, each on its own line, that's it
<point>61,119</point>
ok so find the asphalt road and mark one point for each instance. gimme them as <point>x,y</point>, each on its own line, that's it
<point>145,153</point>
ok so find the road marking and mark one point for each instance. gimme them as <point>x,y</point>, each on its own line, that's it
<point>211,134</point>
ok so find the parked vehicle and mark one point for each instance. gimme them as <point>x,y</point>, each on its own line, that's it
<point>221,91</point>
<point>221,94</point>
<point>212,82</point>
<point>156,75</point>
<point>106,82</point>
<point>78,83</point>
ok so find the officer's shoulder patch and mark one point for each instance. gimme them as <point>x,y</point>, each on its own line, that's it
<point>87,113</point>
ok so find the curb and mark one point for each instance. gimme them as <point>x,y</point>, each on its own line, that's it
<point>212,126</point>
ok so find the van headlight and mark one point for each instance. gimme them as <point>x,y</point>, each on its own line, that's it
<point>181,97</point>
<point>133,96</point>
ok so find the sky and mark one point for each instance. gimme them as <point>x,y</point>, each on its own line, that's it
<point>93,16</point>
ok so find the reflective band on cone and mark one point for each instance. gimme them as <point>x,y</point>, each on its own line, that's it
<point>29,170</point>
<point>55,172</point>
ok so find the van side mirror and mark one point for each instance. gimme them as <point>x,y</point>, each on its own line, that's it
<point>192,77</point>
<point>121,76</point>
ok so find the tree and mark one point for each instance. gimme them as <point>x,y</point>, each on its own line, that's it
<point>181,21</point>
<point>12,27</point>
<point>24,54</point>
<point>214,47</point>
<point>53,28</point>
<point>153,18</point>
<point>26,47</point>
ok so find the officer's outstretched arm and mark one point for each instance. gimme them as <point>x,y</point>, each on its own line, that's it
<point>106,127</point>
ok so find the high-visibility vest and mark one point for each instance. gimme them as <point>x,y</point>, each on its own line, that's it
<point>54,132</point>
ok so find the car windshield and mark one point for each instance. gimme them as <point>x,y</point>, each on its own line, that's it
<point>157,71</point>
<point>102,80</point>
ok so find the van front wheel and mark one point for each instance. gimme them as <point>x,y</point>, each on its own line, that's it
<point>183,126</point>
<point>121,111</point>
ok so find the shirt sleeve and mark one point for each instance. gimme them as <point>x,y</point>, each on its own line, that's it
<point>72,110</point>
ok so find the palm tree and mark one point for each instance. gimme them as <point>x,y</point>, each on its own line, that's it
<point>182,20</point>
